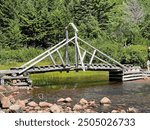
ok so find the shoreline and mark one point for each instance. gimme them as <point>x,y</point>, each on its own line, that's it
<point>10,103</point>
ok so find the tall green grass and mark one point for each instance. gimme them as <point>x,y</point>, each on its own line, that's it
<point>71,78</point>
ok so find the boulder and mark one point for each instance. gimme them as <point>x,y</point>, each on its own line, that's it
<point>2,111</point>
<point>68,110</point>
<point>46,111</point>
<point>26,101</point>
<point>106,105</point>
<point>5,102</point>
<point>1,96</point>
<point>122,111</point>
<point>105,100</point>
<point>2,88</point>
<point>40,112</point>
<point>55,109</point>
<point>83,101</point>
<point>61,100</point>
<point>132,110</point>
<point>77,107</point>
<point>85,106</point>
<point>12,99</point>
<point>88,111</point>
<point>114,111</point>
<point>68,99</point>
<point>45,104</point>
<point>27,110</point>
<point>92,104</point>
<point>21,103</point>
<point>32,104</point>
<point>37,108</point>
<point>14,107</point>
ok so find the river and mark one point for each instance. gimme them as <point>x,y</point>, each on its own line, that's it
<point>122,94</point>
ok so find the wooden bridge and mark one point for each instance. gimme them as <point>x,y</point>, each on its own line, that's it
<point>86,57</point>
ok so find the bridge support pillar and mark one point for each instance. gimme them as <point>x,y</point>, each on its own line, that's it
<point>115,75</point>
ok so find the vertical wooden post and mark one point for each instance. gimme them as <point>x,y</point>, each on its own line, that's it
<point>76,51</point>
<point>66,51</point>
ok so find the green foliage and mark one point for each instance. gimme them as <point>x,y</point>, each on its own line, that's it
<point>22,55</point>
<point>134,54</point>
<point>110,25</point>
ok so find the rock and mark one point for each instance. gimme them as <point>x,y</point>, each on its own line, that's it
<point>21,103</point>
<point>85,106</point>
<point>68,99</point>
<point>88,111</point>
<point>132,110</point>
<point>45,104</point>
<point>122,111</point>
<point>92,104</point>
<point>37,108</point>
<point>2,88</point>
<point>26,101</point>
<point>83,101</point>
<point>32,104</point>
<point>106,105</point>
<point>68,104</point>
<point>40,112</point>
<point>61,100</point>
<point>105,100</point>
<point>12,88</point>
<point>5,102</point>
<point>31,108</point>
<point>77,107</point>
<point>55,109</point>
<point>12,99</point>
<point>68,110</point>
<point>114,111</point>
<point>32,111</point>
<point>46,110</point>
<point>1,96</point>
<point>27,110</point>
<point>2,111</point>
<point>14,108</point>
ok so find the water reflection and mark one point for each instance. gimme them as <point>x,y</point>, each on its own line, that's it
<point>130,94</point>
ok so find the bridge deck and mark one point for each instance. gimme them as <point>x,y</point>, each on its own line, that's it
<point>41,69</point>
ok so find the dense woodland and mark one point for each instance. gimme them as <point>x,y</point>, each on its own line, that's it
<point>119,27</point>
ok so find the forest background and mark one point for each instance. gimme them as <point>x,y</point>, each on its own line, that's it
<point>120,28</point>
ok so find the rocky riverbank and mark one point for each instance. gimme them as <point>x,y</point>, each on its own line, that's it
<point>10,103</point>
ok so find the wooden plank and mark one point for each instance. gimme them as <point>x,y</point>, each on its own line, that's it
<point>133,78</point>
<point>135,75</point>
<point>17,77</point>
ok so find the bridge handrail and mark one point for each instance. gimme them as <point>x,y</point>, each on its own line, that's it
<point>43,53</point>
<point>35,62</point>
<point>94,56</point>
<point>122,66</point>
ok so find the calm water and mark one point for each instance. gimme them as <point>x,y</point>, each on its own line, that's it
<point>128,94</point>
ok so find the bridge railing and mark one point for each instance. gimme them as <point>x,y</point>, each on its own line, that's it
<point>103,54</point>
<point>44,55</point>
<point>79,57</point>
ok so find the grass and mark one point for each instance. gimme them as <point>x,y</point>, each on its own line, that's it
<point>16,58</point>
<point>57,78</point>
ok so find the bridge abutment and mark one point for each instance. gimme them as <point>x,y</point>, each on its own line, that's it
<point>116,75</point>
